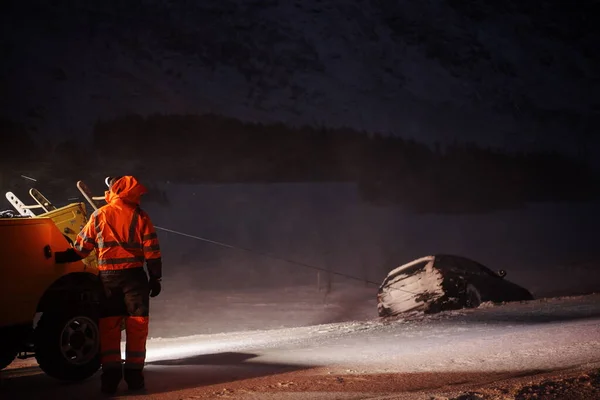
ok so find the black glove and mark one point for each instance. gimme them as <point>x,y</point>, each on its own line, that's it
<point>155,287</point>
<point>67,256</point>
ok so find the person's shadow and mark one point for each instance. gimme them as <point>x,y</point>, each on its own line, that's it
<point>161,376</point>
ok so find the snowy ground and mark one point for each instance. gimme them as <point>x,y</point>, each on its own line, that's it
<point>231,324</point>
<point>496,351</point>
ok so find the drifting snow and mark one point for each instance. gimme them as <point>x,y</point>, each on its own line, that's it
<point>548,248</point>
<point>475,346</point>
<point>539,334</point>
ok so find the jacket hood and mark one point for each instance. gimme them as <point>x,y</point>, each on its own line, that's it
<point>126,188</point>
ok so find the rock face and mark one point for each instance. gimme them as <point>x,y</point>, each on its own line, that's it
<point>503,74</point>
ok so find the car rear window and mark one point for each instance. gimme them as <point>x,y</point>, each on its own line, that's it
<point>462,264</point>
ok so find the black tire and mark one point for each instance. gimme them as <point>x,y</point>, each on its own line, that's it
<point>67,344</point>
<point>472,297</point>
<point>7,356</point>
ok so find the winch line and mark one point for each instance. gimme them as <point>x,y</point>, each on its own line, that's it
<point>267,255</point>
<point>274,257</point>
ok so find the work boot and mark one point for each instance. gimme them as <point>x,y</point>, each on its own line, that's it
<point>110,379</point>
<point>134,379</point>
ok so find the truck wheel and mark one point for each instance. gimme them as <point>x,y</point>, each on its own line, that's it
<point>67,345</point>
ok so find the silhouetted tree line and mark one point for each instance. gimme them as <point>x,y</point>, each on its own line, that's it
<point>219,149</point>
<point>389,169</point>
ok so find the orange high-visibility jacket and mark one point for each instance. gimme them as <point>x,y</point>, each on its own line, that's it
<point>122,233</point>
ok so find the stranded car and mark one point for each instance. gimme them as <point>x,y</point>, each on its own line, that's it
<point>444,282</point>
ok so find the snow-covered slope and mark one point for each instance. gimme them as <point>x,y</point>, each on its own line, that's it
<point>507,75</point>
<point>414,357</point>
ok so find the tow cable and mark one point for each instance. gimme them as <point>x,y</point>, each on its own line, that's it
<point>272,256</point>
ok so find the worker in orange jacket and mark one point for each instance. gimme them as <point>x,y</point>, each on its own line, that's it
<point>124,237</point>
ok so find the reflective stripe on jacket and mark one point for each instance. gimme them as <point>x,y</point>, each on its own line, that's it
<point>121,231</point>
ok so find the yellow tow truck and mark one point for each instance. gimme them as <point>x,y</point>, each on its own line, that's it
<point>47,310</point>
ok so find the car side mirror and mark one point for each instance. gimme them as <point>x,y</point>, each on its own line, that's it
<point>501,273</point>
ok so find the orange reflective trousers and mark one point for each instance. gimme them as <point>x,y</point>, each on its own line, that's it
<point>126,298</point>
